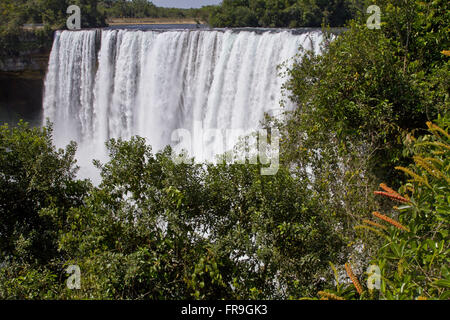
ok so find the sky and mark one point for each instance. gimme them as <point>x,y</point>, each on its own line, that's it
<point>184,3</point>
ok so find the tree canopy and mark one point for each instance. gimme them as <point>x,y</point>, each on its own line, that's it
<point>284,13</point>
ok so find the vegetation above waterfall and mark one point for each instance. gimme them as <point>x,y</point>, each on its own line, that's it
<point>29,24</point>
<point>51,15</point>
<point>284,13</point>
<point>363,180</point>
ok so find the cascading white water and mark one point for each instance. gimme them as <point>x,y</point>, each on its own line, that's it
<point>150,83</point>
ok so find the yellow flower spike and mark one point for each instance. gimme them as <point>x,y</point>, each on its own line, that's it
<point>428,167</point>
<point>432,127</point>
<point>435,160</point>
<point>373,223</point>
<point>374,230</point>
<point>329,296</point>
<point>416,177</point>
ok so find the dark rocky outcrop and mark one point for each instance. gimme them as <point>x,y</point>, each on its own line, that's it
<point>21,86</point>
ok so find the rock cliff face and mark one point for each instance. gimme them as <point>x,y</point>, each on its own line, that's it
<point>36,61</point>
<point>21,87</point>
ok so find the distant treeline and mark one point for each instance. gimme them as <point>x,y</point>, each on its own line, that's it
<point>231,13</point>
<point>284,13</point>
<point>52,15</point>
<point>146,9</point>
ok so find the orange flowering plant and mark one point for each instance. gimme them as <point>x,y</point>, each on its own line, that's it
<point>414,258</point>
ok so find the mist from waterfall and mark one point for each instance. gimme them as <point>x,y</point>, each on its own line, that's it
<point>104,84</point>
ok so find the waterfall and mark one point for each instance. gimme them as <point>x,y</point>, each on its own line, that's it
<point>104,84</point>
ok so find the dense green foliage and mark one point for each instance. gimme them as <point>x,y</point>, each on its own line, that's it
<point>357,104</point>
<point>413,255</point>
<point>367,90</point>
<point>284,13</point>
<point>34,176</point>
<point>156,230</point>
<point>14,14</point>
<point>416,262</point>
<point>146,9</point>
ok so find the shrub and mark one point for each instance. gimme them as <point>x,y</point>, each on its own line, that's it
<point>414,255</point>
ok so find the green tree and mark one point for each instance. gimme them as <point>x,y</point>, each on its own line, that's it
<point>284,13</point>
<point>35,179</point>
<point>218,232</point>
